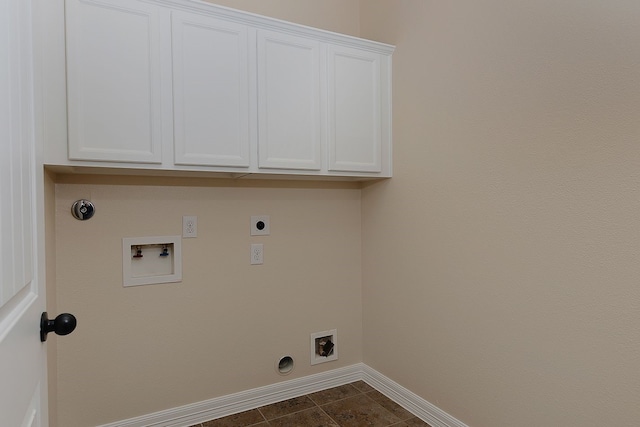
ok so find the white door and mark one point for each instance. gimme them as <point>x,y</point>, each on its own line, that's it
<point>23,386</point>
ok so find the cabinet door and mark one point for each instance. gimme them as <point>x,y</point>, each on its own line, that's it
<point>354,110</point>
<point>113,80</point>
<point>211,91</point>
<point>289,122</point>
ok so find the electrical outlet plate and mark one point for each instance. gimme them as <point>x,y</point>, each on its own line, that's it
<point>257,254</point>
<point>260,225</point>
<point>319,338</point>
<point>189,226</point>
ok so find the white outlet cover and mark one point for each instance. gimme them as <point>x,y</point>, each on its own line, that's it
<point>257,254</point>
<point>189,226</point>
<point>260,225</point>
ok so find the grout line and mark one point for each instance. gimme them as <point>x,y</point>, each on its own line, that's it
<point>329,416</point>
<point>260,412</point>
<point>290,413</point>
<point>324,412</point>
<point>337,400</point>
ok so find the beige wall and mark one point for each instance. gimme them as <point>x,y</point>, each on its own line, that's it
<point>222,329</point>
<point>501,262</point>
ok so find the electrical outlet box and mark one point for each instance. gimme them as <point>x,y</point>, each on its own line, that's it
<point>260,225</point>
<point>324,346</point>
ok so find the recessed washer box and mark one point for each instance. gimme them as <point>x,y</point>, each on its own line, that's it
<point>151,260</point>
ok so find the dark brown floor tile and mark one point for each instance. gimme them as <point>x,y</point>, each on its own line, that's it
<point>362,387</point>
<point>243,419</point>
<point>333,394</point>
<point>416,422</point>
<point>286,407</point>
<point>390,405</point>
<point>313,417</point>
<point>359,411</point>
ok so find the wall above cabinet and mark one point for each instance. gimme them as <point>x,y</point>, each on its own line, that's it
<point>187,86</point>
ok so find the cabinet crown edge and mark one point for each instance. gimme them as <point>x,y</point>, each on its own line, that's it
<point>259,21</point>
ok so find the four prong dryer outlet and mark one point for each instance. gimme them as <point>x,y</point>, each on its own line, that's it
<point>260,225</point>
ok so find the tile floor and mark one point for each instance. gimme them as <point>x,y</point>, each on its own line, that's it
<point>350,405</point>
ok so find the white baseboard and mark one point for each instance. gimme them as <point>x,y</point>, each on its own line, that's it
<point>218,407</point>
<point>410,401</point>
<point>246,400</point>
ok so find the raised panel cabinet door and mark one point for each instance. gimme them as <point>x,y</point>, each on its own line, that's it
<point>354,111</point>
<point>289,87</point>
<point>211,91</point>
<point>114,80</point>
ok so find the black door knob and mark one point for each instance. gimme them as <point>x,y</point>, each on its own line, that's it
<point>63,324</point>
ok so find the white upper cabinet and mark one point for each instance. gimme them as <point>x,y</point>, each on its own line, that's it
<point>210,91</point>
<point>355,126</point>
<point>114,81</point>
<point>184,85</point>
<point>289,122</point>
